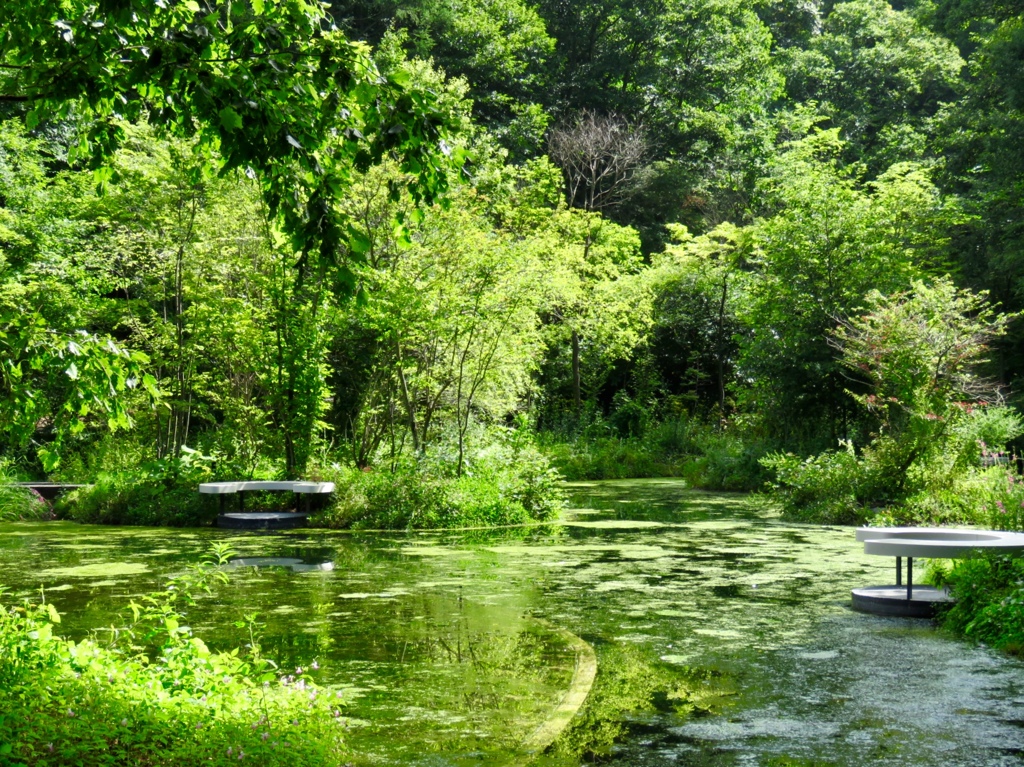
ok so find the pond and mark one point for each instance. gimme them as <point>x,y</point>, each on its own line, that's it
<point>722,635</point>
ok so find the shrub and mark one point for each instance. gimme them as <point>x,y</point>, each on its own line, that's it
<point>163,492</point>
<point>20,503</point>
<point>917,351</point>
<point>824,488</point>
<point>174,702</point>
<point>508,482</point>
<point>706,455</point>
<point>989,601</point>
<point>611,458</point>
<point>728,462</point>
<point>1001,500</point>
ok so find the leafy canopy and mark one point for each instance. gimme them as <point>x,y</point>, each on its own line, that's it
<point>269,84</point>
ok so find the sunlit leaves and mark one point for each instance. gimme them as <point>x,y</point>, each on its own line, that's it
<point>269,86</point>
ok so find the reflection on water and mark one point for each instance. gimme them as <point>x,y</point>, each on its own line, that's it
<point>723,636</point>
<point>292,563</point>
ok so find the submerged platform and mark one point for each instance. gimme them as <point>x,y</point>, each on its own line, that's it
<point>263,520</point>
<point>892,600</point>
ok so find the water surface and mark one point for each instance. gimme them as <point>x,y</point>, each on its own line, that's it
<point>723,636</point>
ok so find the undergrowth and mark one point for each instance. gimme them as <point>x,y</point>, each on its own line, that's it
<point>152,693</point>
<point>988,606</point>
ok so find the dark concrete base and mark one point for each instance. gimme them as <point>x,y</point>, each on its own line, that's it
<point>892,600</point>
<point>262,520</point>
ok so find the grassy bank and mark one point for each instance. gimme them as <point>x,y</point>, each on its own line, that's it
<point>989,600</point>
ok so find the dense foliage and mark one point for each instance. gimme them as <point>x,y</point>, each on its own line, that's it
<point>151,692</point>
<point>989,601</point>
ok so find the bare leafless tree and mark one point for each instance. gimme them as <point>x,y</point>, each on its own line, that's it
<point>599,156</point>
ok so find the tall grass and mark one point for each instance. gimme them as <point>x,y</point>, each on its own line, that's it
<point>19,503</point>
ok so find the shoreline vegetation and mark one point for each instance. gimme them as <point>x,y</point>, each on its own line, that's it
<point>150,691</point>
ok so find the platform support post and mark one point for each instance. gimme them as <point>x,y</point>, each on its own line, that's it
<point>899,571</point>
<point>910,578</point>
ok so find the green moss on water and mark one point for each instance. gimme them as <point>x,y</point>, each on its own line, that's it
<point>99,569</point>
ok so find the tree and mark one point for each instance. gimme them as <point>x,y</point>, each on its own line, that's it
<point>919,351</point>
<point>58,376</point>
<point>449,331</point>
<point>267,84</point>
<point>697,74</point>
<point>498,47</point>
<point>599,157</point>
<point>596,304</point>
<point>699,283</point>
<point>832,240</point>
<point>981,139</point>
<point>879,74</point>
<point>267,87</point>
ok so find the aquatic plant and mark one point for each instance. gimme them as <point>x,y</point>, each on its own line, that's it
<point>151,692</point>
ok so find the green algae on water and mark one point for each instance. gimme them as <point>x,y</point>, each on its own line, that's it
<point>95,570</point>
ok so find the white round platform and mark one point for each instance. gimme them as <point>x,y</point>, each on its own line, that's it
<point>936,542</point>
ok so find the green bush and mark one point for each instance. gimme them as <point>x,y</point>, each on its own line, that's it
<point>889,483</point>
<point>172,702</point>
<point>823,489</point>
<point>163,493</point>
<point>1001,500</point>
<point>727,462</point>
<point>706,455</point>
<point>508,482</point>
<point>989,601</point>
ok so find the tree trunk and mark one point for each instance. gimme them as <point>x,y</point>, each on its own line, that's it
<point>406,399</point>
<point>577,399</point>
<point>720,344</point>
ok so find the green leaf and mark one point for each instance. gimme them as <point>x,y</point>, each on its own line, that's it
<point>358,241</point>
<point>230,119</point>
<point>54,615</point>
<point>72,372</point>
<point>257,7</point>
